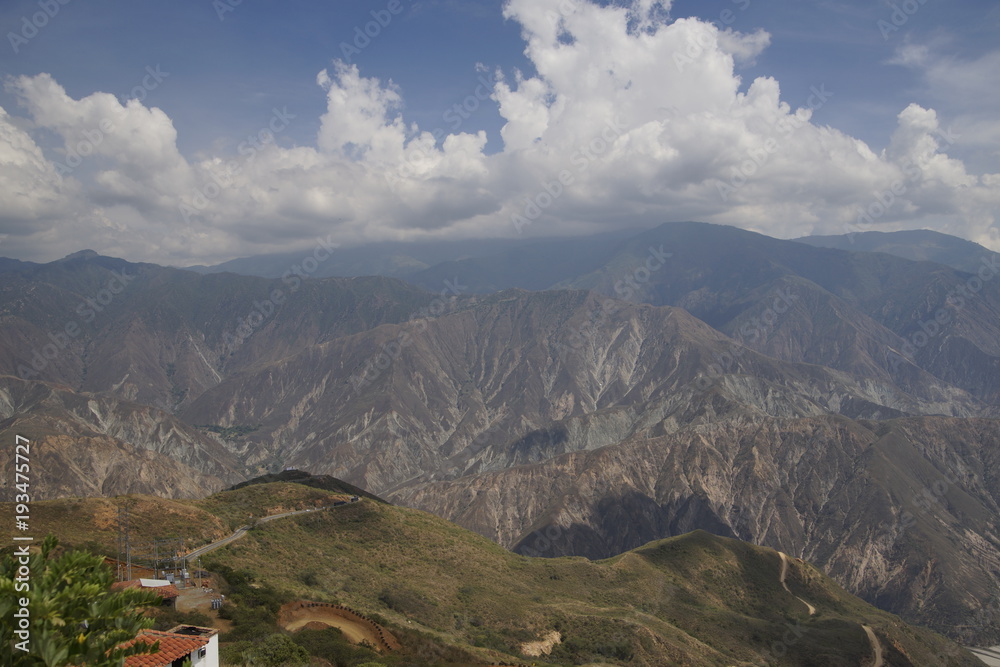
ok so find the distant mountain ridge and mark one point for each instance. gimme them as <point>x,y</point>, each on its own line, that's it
<point>691,376</point>
<point>922,245</point>
<point>422,263</point>
<point>393,259</point>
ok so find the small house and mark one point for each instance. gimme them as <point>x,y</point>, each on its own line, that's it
<point>200,645</point>
<point>166,590</point>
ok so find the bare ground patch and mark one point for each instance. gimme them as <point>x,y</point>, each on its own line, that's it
<point>355,626</point>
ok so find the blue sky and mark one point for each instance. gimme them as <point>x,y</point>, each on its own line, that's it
<point>694,137</point>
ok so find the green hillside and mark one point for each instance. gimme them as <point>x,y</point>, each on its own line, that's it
<point>696,599</point>
<point>453,597</point>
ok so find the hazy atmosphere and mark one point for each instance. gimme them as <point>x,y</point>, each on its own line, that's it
<point>196,131</point>
<point>496,333</point>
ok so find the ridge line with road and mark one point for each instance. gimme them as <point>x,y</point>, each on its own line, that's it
<point>242,530</point>
<point>872,639</point>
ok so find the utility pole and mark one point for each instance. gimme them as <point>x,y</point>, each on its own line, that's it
<point>124,539</point>
<point>160,550</point>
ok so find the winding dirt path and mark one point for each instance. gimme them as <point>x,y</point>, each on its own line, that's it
<point>876,646</point>
<point>784,573</point>
<point>872,639</point>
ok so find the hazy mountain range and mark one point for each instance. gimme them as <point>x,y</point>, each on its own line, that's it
<point>837,405</point>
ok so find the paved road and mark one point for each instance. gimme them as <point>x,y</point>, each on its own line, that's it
<point>242,530</point>
<point>201,551</point>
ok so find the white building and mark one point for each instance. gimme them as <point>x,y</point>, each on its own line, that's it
<point>199,644</point>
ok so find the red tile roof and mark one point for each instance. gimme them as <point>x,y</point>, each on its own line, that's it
<point>167,592</point>
<point>172,647</point>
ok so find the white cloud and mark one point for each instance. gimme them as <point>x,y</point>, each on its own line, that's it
<point>30,190</point>
<point>140,144</point>
<point>357,122</point>
<point>628,118</point>
<point>964,90</point>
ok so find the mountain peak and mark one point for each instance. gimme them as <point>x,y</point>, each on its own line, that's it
<point>81,254</point>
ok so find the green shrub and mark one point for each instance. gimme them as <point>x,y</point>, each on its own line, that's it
<point>276,650</point>
<point>330,644</point>
<point>405,601</point>
<point>165,618</point>
<point>309,578</point>
<point>490,638</point>
<point>232,653</point>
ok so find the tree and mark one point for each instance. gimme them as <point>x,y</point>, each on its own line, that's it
<point>73,616</point>
<point>277,650</point>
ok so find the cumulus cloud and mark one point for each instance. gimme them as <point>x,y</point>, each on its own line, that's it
<point>30,189</point>
<point>962,88</point>
<point>629,117</point>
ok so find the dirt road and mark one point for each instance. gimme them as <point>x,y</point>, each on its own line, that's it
<point>355,626</point>
<point>242,530</point>
<point>784,573</point>
<point>872,639</point>
<point>876,646</point>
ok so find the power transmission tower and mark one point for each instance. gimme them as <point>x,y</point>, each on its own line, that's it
<point>124,539</point>
<point>159,551</point>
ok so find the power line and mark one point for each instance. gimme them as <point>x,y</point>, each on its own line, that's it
<point>124,538</point>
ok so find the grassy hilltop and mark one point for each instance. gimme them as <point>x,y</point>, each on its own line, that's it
<point>695,599</point>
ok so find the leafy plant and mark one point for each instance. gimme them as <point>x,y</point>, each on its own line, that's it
<point>73,616</point>
<point>276,650</point>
